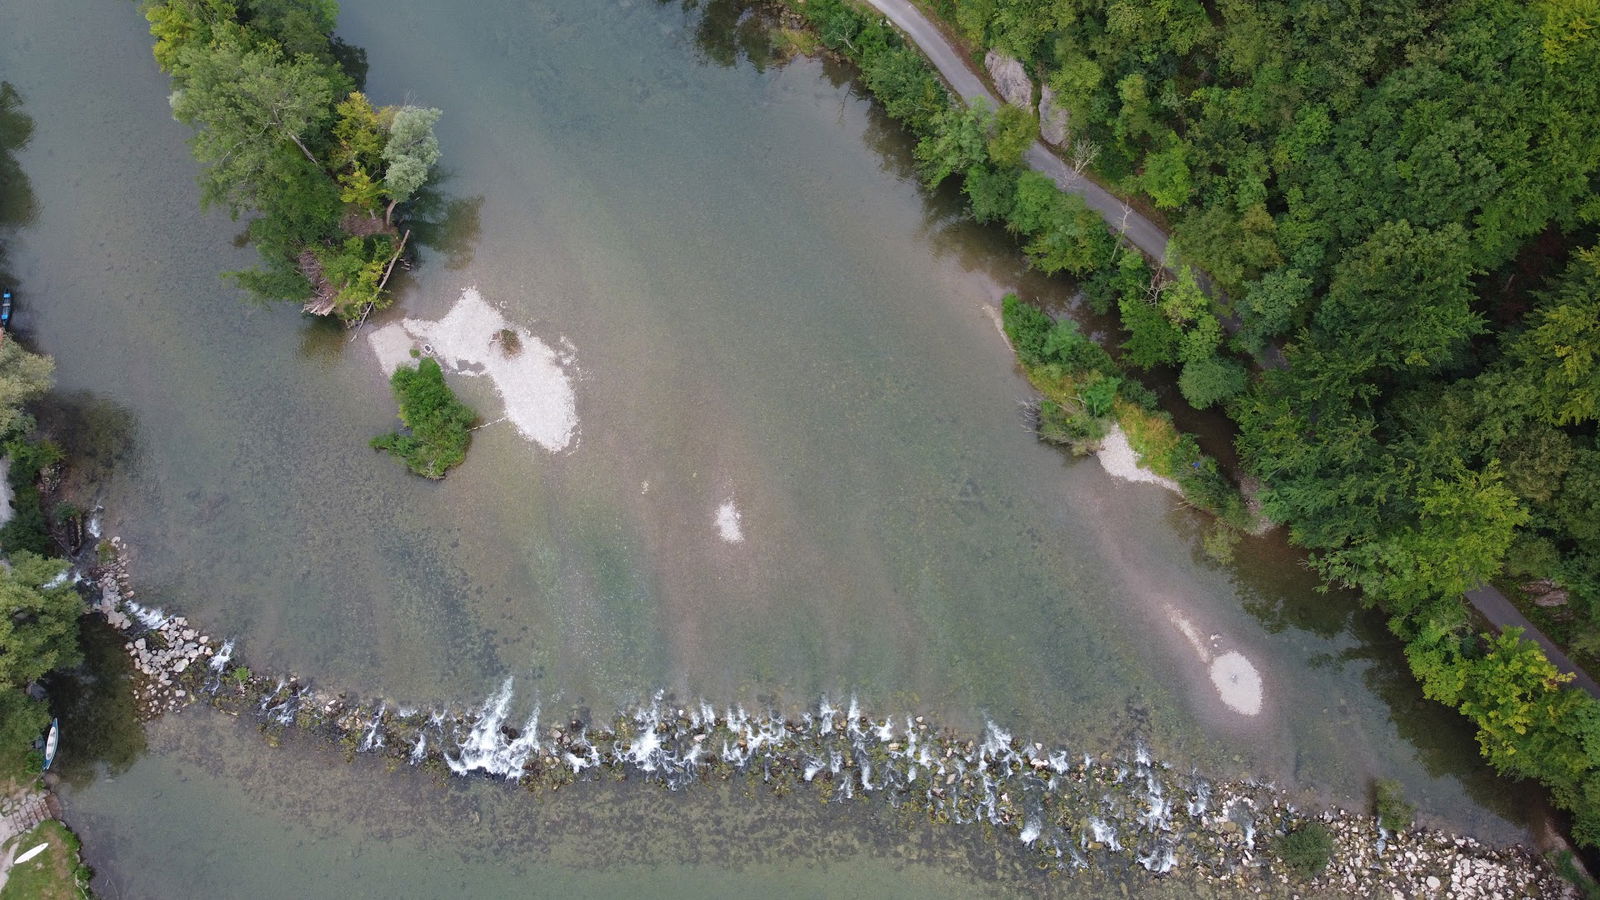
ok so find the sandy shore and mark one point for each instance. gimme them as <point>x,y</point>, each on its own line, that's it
<point>530,376</point>
<point>1119,460</point>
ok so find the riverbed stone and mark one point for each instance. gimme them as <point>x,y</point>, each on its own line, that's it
<point>1010,79</point>
<point>1053,118</point>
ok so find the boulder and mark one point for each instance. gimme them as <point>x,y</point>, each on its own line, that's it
<point>1010,79</point>
<point>1053,118</point>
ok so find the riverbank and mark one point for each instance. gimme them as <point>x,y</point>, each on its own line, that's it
<point>1081,813</point>
<point>44,863</point>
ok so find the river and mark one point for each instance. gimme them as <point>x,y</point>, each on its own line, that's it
<point>761,315</point>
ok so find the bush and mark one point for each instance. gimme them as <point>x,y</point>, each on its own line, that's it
<point>1307,849</point>
<point>1394,813</point>
<point>1076,429</point>
<point>1098,396</point>
<point>441,425</point>
<point>1027,327</point>
<point>29,528</point>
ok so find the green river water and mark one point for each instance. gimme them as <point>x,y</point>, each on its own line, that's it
<point>763,307</point>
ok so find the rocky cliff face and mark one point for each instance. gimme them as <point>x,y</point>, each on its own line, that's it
<point>1010,79</point>
<point>1053,118</point>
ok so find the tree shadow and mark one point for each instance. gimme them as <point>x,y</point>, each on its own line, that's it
<point>99,435</point>
<point>18,205</point>
<point>100,727</point>
<point>450,226</point>
<point>728,32</point>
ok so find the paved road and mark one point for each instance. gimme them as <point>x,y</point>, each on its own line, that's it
<point>1141,232</point>
<point>1502,614</point>
<point>1144,234</point>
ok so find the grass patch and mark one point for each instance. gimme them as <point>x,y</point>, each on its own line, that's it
<point>440,425</point>
<point>791,42</point>
<point>55,874</point>
<point>1389,802</point>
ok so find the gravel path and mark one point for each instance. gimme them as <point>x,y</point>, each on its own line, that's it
<point>1140,232</point>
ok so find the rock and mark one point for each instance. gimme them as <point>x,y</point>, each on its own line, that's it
<point>139,644</point>
<point>1556,597</point>
<point>1010,79</point>
<point>1053,118</point>
<point>1433,883</point>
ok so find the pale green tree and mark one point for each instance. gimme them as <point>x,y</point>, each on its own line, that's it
<point>410,152</point>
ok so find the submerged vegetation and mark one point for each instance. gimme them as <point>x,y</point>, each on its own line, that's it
<point>1398,204</point>
<point>286,136</point>
<point>440,425</point>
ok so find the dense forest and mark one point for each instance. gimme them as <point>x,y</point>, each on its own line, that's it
<point>1402,195</point>
<point>287,137</point>
<point>1394,206</point>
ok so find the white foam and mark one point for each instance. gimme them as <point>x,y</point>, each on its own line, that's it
<point>728,523</point>
<point>1119,460</point>
<point>1238,682</point>
<point>532,382</point>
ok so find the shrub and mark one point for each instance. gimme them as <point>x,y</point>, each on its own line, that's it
<point>1307,849</point>
<point>1394,813</point>
<point>29,528</point>
<point>1098,396</point>
<point>441,425</point>
<point>1027,327</point>
<point>1076,429</point>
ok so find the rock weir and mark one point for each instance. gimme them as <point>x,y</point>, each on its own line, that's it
<point>1104,813</point>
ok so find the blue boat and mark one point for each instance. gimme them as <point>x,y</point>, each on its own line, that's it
<point>51,742</point>
<point>5,309</point>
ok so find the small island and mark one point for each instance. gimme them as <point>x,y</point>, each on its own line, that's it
<point>440,425</point>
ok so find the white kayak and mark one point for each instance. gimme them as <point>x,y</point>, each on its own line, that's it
<point>51,742</point>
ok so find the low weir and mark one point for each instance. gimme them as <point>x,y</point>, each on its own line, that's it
<point>1076,811</point>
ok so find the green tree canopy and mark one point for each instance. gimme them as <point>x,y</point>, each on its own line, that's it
<point>410,152</point>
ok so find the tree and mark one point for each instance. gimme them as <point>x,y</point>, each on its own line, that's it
<point>1562,348</point>
<point>991,193</point>
<point>1012,131</point>
<point>359,136</point>
<point>410,152</point>
<point>1271,305</point>
<point>1210,380</point>
<point>39,612</point>
<point>1460,533</point>
<point>247,105</point>
<point>440,424</point>
<point>1167,178</point>
<point>1404,297</point>
<point>24,377</point>
<point>1064,234</point>
<point>955,144</point>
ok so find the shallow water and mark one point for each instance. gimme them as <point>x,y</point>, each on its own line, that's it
<point>764,309</point>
